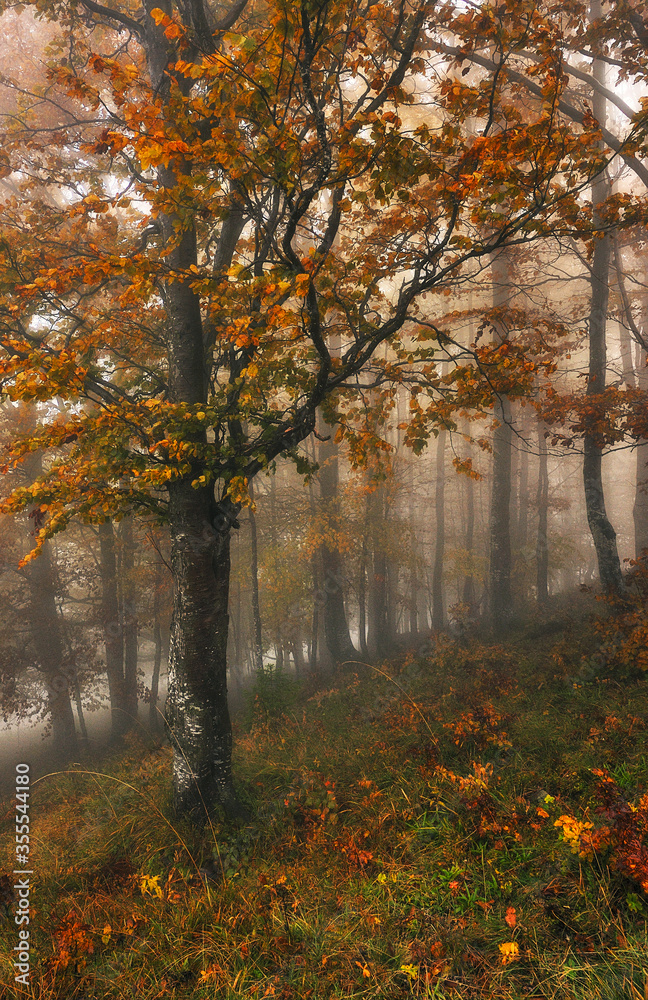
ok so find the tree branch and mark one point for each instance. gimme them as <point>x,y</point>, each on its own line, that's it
<point>567,109</point>
<point>114,15</point>
<point>231,18</point>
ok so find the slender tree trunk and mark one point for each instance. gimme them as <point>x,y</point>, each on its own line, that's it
<point>257,634</point>
<point>501,598</point>
<point>542,503</point>
<point>130,618</point>
<point>500,595</point>
<point>362,591</point>
<point>378,631</point>
<point>523,503</point>
<point>297,653</point>
<point>274,541</point>
<point>46,633</point>
<point>414,555</point>
<point>468,596</point>
<point>72,672</point>
<point>640,509</point>
<point>79,705</point>
<point>48,645</point>
<point>438,615</point>
<point>154,715</point>
<point>313,639</point>
<point>414,589</point>
<point>236,630</point>
<point>336,626</point>
<point>515,477</point>
<point>393,611</point>
<point>377,624</point>
<point>603,533</point>
<point>112,629</point>
<point>315,623</point>
<point>635,379</point>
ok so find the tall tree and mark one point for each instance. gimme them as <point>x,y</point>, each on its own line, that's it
<point>603,533</point>
<point>336,626</point>
<point>499,580</point>
<point>640,507</point>
<point>438,613</point>
<point>542,503</point>
<point>129,616</point>
<point>113,632</point>
<point>285,183</point>
<point>257,631</point>
<point>46,634</point>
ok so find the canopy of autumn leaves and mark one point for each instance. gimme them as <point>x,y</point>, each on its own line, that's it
<point>338,174</point>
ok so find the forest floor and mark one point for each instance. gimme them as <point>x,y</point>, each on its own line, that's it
<point>463,822</point>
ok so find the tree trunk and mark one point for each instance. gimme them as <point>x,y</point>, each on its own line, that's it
<point>523,503</point>
<point>48,644</point>
<point>336,628</point>
<point>542,497</point>
<point>468,596</point>
<point>257,634</point>
<point>79,705</point>
<point>635,379</point>
<point>378,632</point>
<point>314,630</point>
<point>197,710</point>
<point>393,610</point>
<point>72,672</point>
<point>112,629</point>
<point>640,508</point>
<point>438,616</point>
<point>313,639</point>
<point>297,653</point>
<point>603,533</point>
<point>414,555</point>
<point>46,635</point>
<point>362,593</point>
<point>130,619</point>
<point>154,715</point>
<point>500,596</point>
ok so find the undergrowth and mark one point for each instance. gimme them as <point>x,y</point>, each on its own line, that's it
<point>469,822</point>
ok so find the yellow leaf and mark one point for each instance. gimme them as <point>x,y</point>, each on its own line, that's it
<point>150,886</point>
<point>510,951</point>
<point>302,282</point>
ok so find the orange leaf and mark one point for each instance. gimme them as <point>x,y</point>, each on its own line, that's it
<point>510,917</point>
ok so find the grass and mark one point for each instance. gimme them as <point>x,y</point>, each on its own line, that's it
<point>403,843</point>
